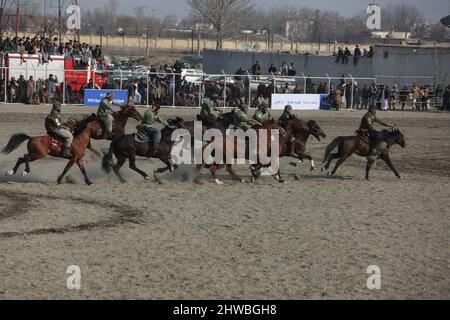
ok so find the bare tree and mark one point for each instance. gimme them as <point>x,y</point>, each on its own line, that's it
<point>220,13</point>
<point>4,16</point>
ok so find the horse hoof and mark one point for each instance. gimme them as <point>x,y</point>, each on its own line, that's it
<point>294,164</point>
<point>281,181</point>
<point>311,170</point>
<point>147,178</point>
<point>218,182</point>
<point>88,183</point>
<point>322,169</point>
<point>297,177</point>
<point>9,173</point>
<point>24,174</point>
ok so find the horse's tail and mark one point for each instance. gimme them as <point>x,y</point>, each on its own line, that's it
<point>107,161</point>
<point>15,141</point>
<point>331,147</point>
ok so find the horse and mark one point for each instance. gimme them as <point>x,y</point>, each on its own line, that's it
<point>119,124</point>
<point>224,121</point>
<point>41,147</point>
<point>360,145</point>
<point>299,132</point>
<point>127,147</point>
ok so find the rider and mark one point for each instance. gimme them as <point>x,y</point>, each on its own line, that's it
<point>206,113</point>
<point>286,116</point>
<point>367,123</point>
<point>54,126</point>
<point>262,114</point>
<point>241,120</point>
<point>105,112</point>
<point>284,120</point>
<point>148,124</point>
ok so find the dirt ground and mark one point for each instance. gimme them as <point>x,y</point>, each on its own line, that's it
<point>308,239</point>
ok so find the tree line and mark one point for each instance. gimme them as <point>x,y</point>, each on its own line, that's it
<point>228,18</point>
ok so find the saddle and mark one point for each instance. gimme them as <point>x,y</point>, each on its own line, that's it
<point>54,141</point>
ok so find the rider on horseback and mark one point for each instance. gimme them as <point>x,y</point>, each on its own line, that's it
<point>241,120</point>
<point>262,114</point>
<point>148,124</point>
<point>105,112</point>
<point>367,124</point>
<point>284,121</point>
<point>55,127</point>
<point>206,113</point>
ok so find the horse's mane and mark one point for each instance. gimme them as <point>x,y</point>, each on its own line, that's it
<point>82,124</point>
<point>390,132</point>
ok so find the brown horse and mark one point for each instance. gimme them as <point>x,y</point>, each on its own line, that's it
<point>299,132</point>
<point>127,147</point>
<point>347,146</point>
<point>41,147</point>
<point>119,124</point>
<point>296,129</point>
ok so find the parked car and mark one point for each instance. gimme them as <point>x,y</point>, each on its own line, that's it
<point>193,75</point>
<point>190,61</point>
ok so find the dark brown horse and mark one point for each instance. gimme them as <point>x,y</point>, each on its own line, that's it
<point>41,147</point>
<point>299,132</point>
<point>359,145</point>
<point>127,147</point>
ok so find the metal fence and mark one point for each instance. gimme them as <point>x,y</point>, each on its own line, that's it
<point>172,89</point>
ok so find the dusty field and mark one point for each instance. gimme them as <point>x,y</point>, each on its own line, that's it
<point>307,239</point>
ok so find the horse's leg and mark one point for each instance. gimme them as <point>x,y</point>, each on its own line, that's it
<point>338,164</point>
<point>66,170</point>
<point>278,177</point>
<point>233,173</point>
<point>169,166</point>
<point>386,158</point>
<point>80,164</point>
<point>256,171</point>
<point>330,160</point>
<point>310,159</point>
<point>213,171</point>
<point>370,162</point>
<point>26,159</point>
<point>116,168</point>
<point>12,172</point>
<point>132,160</point>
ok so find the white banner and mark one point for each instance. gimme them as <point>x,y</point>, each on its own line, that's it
<point>297,101</point>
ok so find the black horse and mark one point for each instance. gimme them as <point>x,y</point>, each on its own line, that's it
<point>129,146</point>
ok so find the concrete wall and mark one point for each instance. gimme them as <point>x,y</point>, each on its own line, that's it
<point>389,61</point>
<point>230,61</point>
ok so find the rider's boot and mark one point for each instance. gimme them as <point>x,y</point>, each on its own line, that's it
<point>292,149</point>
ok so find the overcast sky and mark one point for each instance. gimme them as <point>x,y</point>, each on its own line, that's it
<point>433,9</point>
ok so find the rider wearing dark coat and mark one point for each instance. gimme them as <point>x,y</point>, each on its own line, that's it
<point>284,121</point>
<point>367,123</point>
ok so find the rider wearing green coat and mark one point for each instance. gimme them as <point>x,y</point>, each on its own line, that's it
<point>242,121</point>
<point>262,114</point>
<point>151,117</point>
<point>105,112</point>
